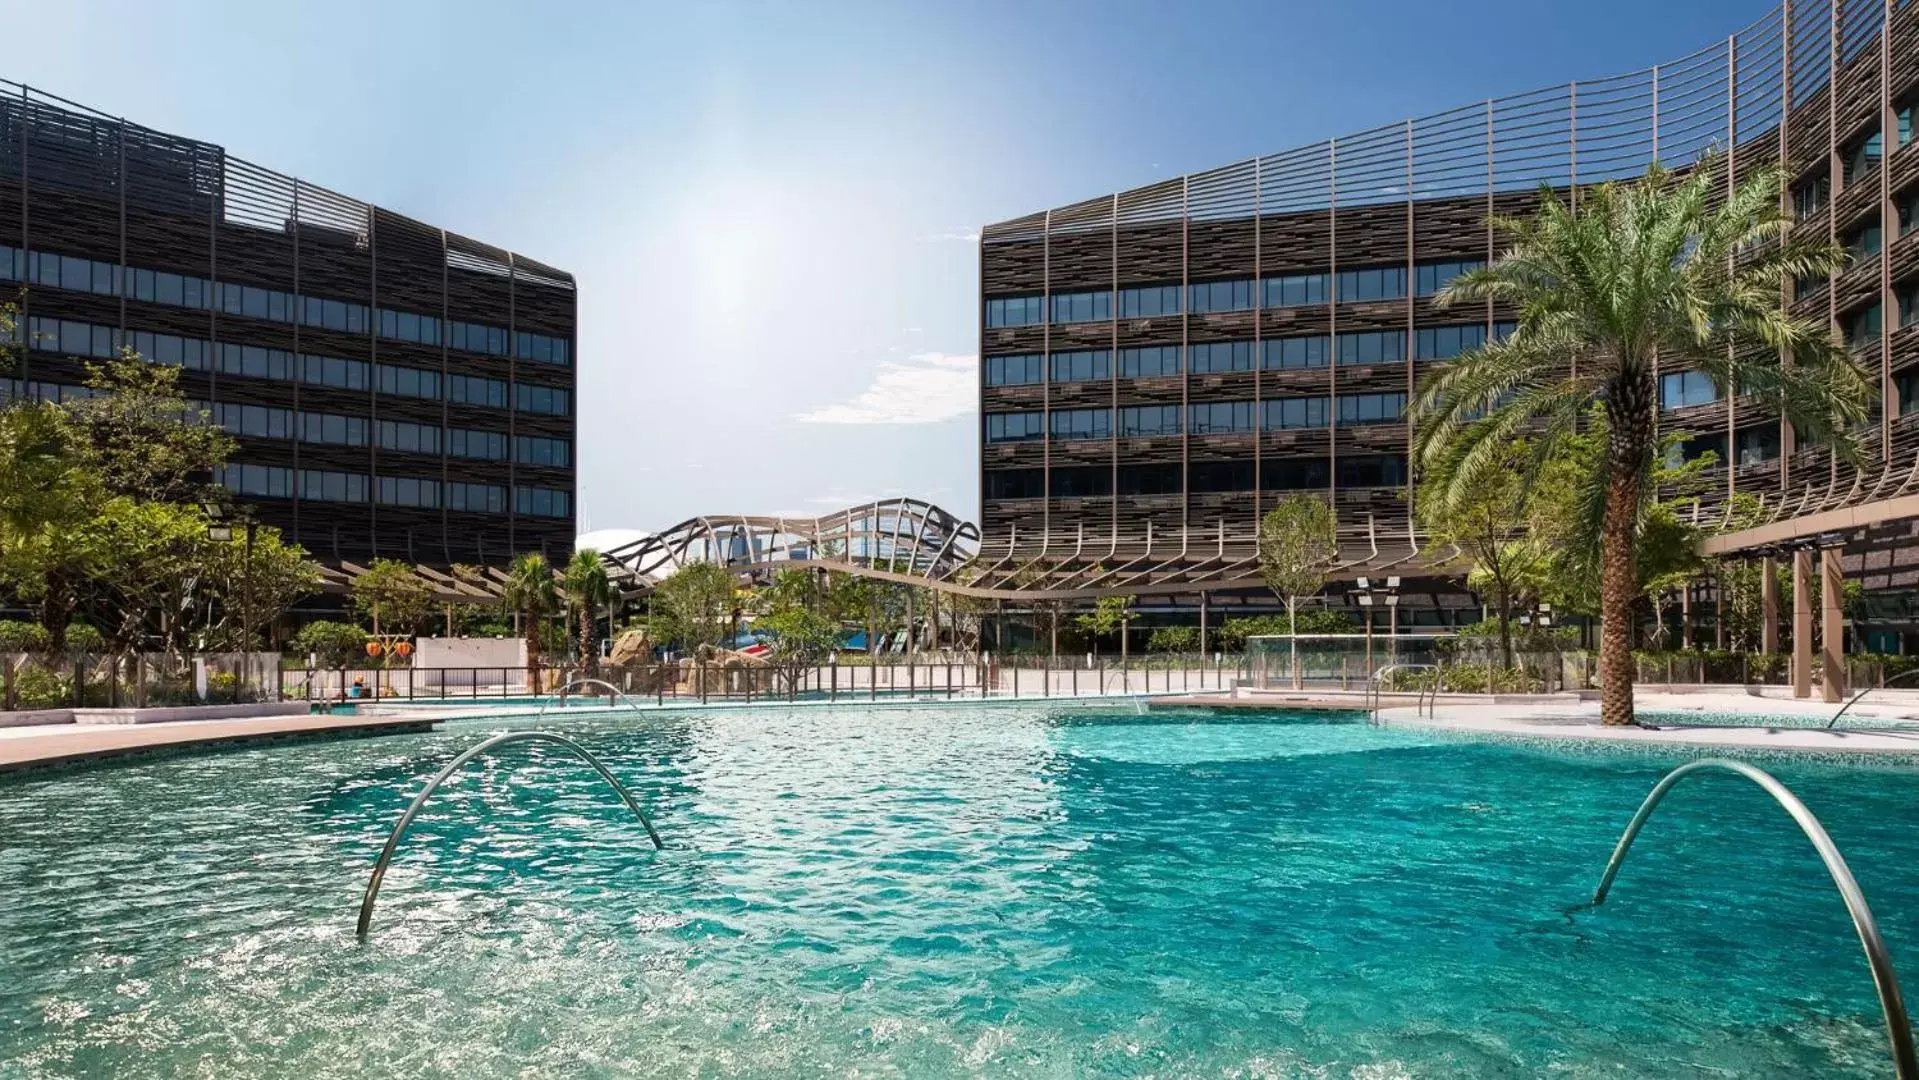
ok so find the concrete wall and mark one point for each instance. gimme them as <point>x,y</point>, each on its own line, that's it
<point>439,652</point>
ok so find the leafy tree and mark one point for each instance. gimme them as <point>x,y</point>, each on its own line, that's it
<point>693,606</point>
<point>1109,615</point>
<point>142,565</point>
<point>254,592</point>
<point>392,598</point>
<point>16,638</point>
<point>529,589</point>
<point>145,440</point>
<point>804,634</point>
<point>1663,272</point>
<point>331,644</point>
<point>1173,639</point>
<point>1298,541</point>
<point>587,588</point>
<point>1486,525</point>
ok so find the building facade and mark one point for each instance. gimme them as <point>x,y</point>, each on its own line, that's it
<point>395,390</point>
<point>1168,360</point>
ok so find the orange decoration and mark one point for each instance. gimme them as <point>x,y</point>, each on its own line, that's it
<point>404,648</point>
<point>373,648</point>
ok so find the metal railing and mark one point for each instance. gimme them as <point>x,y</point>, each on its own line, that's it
<point>1898,1028</point>
<point>413,809</point>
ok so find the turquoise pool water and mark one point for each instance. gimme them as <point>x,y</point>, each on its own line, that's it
<point>941,891</point>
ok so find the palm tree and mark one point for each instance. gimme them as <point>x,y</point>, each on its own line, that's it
<point>586,586</point>
<point>1655,273</point>
<point>529,590</point>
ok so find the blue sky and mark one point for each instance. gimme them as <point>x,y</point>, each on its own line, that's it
<point>771,207</point>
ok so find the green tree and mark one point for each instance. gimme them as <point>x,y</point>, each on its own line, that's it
<point>529,589</point>
<point>143,562</point>
<point>587,589</point>
<point>331,644</point>
<point>391,598</point>
<point>145,440</point>
<point>1298,541</point>
<point>803,632</point>
<point>1485,524</point>
<point>1110,614</point>
<point>1666,272</point>
<point>693,607</point>
<point>254,590</point>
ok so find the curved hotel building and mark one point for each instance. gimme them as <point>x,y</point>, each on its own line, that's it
<point>395,389</point>
<point>1159,364</point>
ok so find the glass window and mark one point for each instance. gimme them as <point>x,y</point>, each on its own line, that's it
<point>1162,479</point>
<point>1013,311</point>
<point>1294,474</point>
<point>476,498</point>
<point>1082,423</point>
<point>1148,301</point>
<point>1015,483</point>
<point>1015,426</point>
<point>536,450</point>
<point>1082,481</point>
<point>1279,354</point>
<point>1863,158</point>
<point>542,502</point>
<point>1082,307</point>
<point>1294,290</point>
<point>480,445</point>
<point>1862,326</point>
<point>1151,362</point>
<point>409,491</point>
<point>1679,389</point>
<point>1379,471</point>
<point>1147,421</point>
<point>1758,444</point>
<point>1863,241</point>
<point>1429,278</point>
<point>1217,356</point>
<point>1210,296</point>
<point>1382,283</point>
<point>1221,476</point>
<point>1358,409</point>
<point>1220,417</point>
<point>1373,347</point>
<point>1082,366</point>
<point>1300,412</point>
<point>1022,370</point>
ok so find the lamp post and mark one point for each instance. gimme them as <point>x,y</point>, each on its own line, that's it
<point>220,532</point>
<point>1387,596</point>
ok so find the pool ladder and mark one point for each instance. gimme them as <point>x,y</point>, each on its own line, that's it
<point>1898,1028</point>
<point>559,695</point>
<point>1420,705</point>
<point>406,819</point>
<point>1847,707</point>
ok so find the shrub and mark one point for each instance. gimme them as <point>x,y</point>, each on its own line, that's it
<point>22,637</point>
<point>1173,639</point>
<point>1234,632</point>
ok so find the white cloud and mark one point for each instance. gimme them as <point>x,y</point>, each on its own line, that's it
<point>925,388</point>
<point>968,236</point>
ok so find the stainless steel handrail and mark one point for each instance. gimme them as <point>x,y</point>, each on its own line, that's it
<point>1843,709</point>
<point>1898,1028</point>
<point>406,819</point>
<point>1419,694</point>
<point>571,683</point>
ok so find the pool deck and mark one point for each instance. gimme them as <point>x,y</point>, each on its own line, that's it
<point>1796,731</point>
<point>63,744</point>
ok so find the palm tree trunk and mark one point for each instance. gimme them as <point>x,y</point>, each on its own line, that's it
<point>1618,585</point>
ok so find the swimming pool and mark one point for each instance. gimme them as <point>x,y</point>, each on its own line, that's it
<point>1006,891</point>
